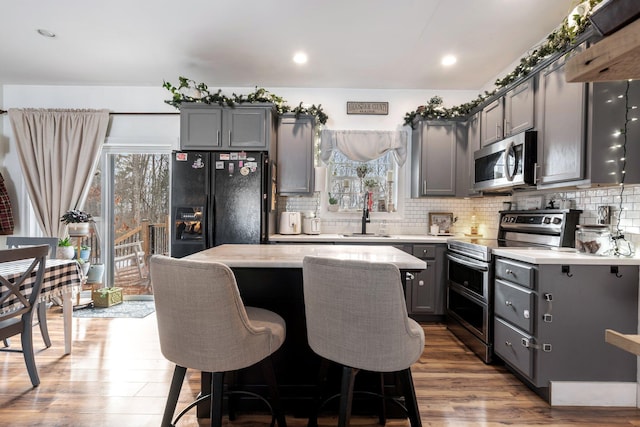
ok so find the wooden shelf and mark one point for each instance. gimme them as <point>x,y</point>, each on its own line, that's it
<point>630,343</point>
<point>616,57</point>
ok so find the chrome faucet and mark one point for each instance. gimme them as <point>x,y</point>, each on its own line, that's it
<point>365,212</point>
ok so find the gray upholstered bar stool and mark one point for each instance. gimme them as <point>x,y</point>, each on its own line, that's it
<point>204,325</point>
<point>356,316</point>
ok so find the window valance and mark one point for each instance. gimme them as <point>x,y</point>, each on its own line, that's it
<point>364,145</point>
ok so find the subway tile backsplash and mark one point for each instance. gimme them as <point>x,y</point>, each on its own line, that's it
<point>415,218</point>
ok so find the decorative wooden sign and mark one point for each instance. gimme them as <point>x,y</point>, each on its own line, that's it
<point>379,108</point>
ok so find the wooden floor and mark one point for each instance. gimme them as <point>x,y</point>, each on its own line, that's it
<point>116,376</point>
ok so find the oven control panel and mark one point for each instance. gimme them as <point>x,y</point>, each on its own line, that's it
<point>521,225</point>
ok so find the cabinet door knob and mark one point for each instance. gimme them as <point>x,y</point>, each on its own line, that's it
<point>410,276</point>
<point>508,303</point>
<point>507,343</point>
<point>421,283</point>
<point>508,271</point>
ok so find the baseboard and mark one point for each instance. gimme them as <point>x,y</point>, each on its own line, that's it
<point>584,393</point>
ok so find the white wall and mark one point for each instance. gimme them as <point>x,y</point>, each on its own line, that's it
<point>164,129</point>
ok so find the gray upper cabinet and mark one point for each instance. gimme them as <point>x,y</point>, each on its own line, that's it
<point>561,131</point>
<point>607,116</point>
<point>433,158</point>
<point>519,108</point>
<point>467,144</point>
<point>211,127</point>
<point>295,154</point>
<point>510,114</point>
<point>492,122</point>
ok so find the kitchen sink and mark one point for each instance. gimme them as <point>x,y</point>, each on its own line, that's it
<point>365,235</point>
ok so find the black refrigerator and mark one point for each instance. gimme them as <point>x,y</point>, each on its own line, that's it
<point>218,198</point>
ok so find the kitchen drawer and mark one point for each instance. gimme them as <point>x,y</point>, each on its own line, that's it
<point>515,304</point>
<point>516,272</point>
<point>511,345</point>
<point>424,251</point>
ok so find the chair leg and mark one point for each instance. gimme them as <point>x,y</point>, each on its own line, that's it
<point>270,376</point>
<point>203,410</point>
<point>382,414</point>
<point>42,321</point>
<point>174,392</point>
<point>346,395</point>
<point>320,392</point>
<point>410,397</point>
<point>27,351</point>
<point>232,399</point>
<point>217,387</point>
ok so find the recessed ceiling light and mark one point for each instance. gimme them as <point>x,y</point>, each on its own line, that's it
<point>300,58</point>
<point>448,60</point>
<point>45,33</point>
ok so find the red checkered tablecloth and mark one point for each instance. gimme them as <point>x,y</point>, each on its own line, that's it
<point>61,276</point>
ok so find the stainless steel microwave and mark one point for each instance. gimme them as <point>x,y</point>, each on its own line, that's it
<point>506,164</point>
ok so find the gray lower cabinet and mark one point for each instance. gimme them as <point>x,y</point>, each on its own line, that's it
<point>550,321</point>
<point>426,289</point>
<point>433,158</point>
<point>295,160</point>
<point>242,127</point>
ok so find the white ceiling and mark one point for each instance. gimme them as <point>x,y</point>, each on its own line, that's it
<point>373,44</point>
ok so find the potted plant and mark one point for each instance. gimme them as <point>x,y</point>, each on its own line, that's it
<point>65,249</point>
<point>85,253</point>
<point>77,221</point>
<point>84,266</point>
<point>333,204</point>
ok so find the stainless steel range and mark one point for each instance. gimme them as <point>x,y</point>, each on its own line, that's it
<point>470,269</point>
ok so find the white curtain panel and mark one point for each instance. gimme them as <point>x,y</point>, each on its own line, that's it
<point>58,151</point>
<point>363,145</point>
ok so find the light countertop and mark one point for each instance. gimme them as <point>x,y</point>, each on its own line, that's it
<point>291,256</point>
<point>346,238</point>
<point>550,256</point>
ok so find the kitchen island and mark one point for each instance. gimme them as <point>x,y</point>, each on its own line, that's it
<point>270,277</point>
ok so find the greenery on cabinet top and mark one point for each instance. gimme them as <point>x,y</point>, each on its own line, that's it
<point>562,39</point>
<point>190,91</point>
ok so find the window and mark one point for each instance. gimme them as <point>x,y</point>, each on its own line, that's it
<point>349,180</point>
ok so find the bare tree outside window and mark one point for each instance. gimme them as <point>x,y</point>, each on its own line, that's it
<point>140,212</point>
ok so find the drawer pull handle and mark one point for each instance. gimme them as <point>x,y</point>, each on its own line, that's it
<point>508,343</point>
<point>509,271</point>
<point>409,276</point>
<point>508,303</point>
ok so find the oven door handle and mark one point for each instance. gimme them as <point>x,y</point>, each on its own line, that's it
<point>471,264</point>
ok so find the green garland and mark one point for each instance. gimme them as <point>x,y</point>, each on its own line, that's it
<point>190,91</point>
<point>558,41</point>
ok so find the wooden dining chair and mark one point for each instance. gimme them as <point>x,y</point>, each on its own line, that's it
<point>23,241</point>
<point>24,291</point>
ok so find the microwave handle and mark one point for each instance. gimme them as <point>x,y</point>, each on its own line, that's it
<point>509,150</point>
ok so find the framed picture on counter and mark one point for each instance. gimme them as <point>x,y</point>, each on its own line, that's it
<point>444,221</point>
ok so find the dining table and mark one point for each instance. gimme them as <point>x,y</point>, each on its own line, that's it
<point>62,278</point>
